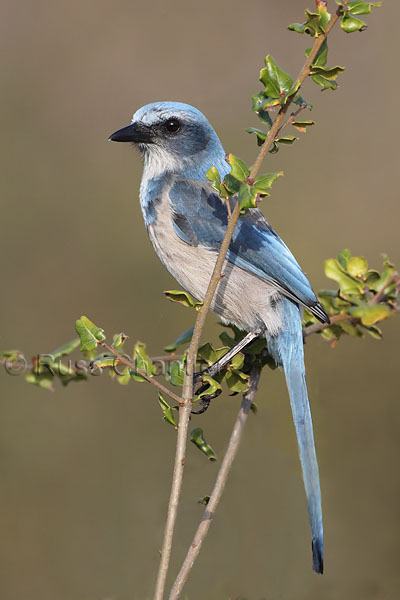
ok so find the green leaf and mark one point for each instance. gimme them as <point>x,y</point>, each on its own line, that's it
<point>236,362</point>
<point>184,338</point>
<point>124,376</point>
<point>197,437</point>
<point>183,297</point>
<point>213,176</point>
<point>321,57</point>
<point>287,139</point>
<point>347,284</point>
<point>357,266</point>
<point>325,17</point>
<point>349,328</point>
<point>237,381</point>
<point>314,24</point>
<point>322,75</point>
<point>371,277</point>
<point>142,361</point>
<point>214,387</point>
<point>231,184</point>
<point>65,349</point>
<point>256,347</point>
<point>119,341</point>
<point>167,410</point>
<point>44,380</point>
<point>176,371</point>
<point>247,196</point>
<point>104,361</point>
<point>343,257</point>
<point>261,135</point>
<point>371,314</point>
<point>330,73</point>
<point>259,107</point>
<point>238,168</point>
<point>374,332</point>
<point>11,354</point>
<point>207,353</point>
<point>326,84</point>
<point>332,333</point>
<point>273,102</point>
<point>302,125</point>
<point>300,101</point>
<point>277,83</point>
<point>297,27</point>
<point>362,8</point>
<point>89,334</point>
<point>292,91</point>
<point>349,24</point>
<point>262,183</point>
<point>226,339</point>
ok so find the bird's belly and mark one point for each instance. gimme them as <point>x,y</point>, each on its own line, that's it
<point>241,298</point>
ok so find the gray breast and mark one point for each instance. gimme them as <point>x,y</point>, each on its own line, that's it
<point>241,298</point>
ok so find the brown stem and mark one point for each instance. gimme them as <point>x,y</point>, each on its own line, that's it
<point>317,327</point>
<point>185,409</point>
<point>219,486</point>
<point>290,119</point>
<point>378,297</point>
<point>125,361</point>
<point>305,71</point>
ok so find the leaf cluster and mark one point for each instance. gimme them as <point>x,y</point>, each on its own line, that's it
<point>316,22</point>
<point>237,181</point>
<point>365,297</point>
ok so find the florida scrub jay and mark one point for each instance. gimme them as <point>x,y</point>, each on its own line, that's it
<point>263,286</point>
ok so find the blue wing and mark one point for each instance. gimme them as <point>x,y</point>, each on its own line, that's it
<point>200,217</point>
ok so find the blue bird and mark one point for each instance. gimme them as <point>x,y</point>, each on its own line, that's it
<point>263,290</point>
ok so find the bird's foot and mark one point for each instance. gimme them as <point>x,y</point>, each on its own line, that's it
<point>205,399</point>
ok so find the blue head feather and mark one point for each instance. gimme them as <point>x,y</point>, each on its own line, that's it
<point>191,150</point>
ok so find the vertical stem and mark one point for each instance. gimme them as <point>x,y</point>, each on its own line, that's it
<point>185,407</point>
<point>219,486</point>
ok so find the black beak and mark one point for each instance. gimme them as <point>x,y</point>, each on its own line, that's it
<point>136,133</point>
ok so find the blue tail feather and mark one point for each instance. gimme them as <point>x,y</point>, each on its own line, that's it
<point>287,350</point>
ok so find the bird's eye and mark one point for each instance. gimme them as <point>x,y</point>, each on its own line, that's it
<point>172,125</point>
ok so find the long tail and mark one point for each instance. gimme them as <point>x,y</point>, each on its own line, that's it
<point>287,350</point>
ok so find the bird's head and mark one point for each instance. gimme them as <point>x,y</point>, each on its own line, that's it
<point>174,138</point>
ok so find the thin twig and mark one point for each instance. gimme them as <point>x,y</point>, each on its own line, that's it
<point>219,486</point>
<point>125,361</point>
<point>290,120</point>
<point>318,327</point>
<point>378,297</point>
<point>305,71</point>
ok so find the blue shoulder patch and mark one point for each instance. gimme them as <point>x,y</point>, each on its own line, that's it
<point>201,217</point>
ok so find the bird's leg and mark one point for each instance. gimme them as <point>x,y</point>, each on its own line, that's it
<point>215,368</point>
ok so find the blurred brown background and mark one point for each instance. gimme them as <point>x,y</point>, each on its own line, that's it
<point>85,472</point>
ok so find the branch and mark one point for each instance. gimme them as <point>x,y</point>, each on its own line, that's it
<point>125,361</point>
<point>380,295</point>
<point>304,73</point>
<point>318,327</point>
<point>376,299</point>
<point>219,486</point>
